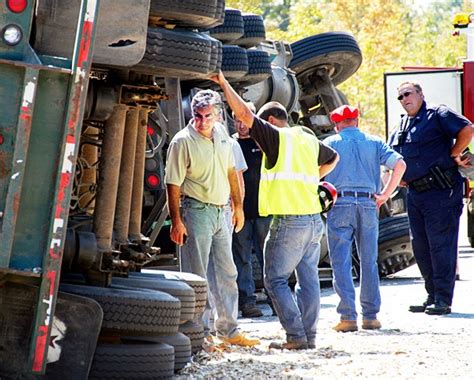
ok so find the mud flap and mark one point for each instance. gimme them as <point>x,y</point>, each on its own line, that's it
<point>76,326</point>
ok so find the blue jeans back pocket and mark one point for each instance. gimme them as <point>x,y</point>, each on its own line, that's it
<point>341,215</point>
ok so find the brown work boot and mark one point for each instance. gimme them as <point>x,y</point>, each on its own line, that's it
<point>345,326</point>
<point>289,346</point>
<point>371,324</point>
<point>240,340</point>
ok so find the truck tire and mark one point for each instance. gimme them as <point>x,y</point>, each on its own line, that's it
<point>254,31</point>
<point>392,226</point>
<point>395,255</point>
<point>196,282</point>
<point>338,51</point>
<point>132,361</point>
<point>177,289</point>
<point>171,53</point>
<point>131,311</point>
<point>231,29</point>
<point>180,342</point>
<point>395,250</point>
<point>215,62</point>
<point>220,14</point>
<point>186,13</point>
<point>235,62</point>
<point>260,67</point>
<point>195,333</point>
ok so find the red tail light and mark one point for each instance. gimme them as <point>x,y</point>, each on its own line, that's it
<point>152,180</point>
<point>17,6</point>
<point>150,130</point>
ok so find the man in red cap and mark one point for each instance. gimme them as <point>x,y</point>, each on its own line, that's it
<point>355,215</point>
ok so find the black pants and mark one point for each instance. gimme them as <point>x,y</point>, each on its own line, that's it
<point>434,223</point>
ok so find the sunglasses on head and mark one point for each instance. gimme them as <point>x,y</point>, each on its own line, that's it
<point>404,95</point>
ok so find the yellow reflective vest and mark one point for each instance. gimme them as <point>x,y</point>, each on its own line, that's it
<point>291,186</point>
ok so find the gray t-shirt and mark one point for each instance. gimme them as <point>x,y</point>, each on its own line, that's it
<point>240,163</point>
<point>200,165</point>
<point>239,159</point>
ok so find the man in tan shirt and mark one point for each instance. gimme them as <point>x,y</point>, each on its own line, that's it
<point>200,177</point>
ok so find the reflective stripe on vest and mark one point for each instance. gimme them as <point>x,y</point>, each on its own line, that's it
<point>289,176</point>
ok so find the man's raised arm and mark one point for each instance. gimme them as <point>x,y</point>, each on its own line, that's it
<point>236,103</point>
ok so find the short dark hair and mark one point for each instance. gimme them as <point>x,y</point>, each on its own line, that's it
<point>274,109</point>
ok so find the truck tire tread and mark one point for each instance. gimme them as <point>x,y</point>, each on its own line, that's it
<point>132,361</point>
<point>131,311</point>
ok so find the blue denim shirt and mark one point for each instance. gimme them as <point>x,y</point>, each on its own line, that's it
<point>361,156</point>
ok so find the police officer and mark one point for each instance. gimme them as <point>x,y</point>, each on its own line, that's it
<point>431,140</point>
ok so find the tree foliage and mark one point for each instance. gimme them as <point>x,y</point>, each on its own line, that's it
<point>391,34</point>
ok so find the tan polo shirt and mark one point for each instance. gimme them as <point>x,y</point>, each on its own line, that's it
<point>200,165</point>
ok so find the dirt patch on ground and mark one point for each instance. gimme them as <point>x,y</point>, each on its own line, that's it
<point>408,346</point>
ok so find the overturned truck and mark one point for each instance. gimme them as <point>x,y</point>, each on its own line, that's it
<point>91,92</point>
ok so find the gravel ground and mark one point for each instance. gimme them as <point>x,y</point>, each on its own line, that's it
<point>408,346</point>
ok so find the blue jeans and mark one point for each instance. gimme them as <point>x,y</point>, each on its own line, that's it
<point>210,313</point>
<point>354,219</point>
<point>293,243</point>
<point>252,236</point>
<point>209,244</point>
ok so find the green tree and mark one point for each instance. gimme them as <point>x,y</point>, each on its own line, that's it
<point>391,34</point>
<point>248,6</point>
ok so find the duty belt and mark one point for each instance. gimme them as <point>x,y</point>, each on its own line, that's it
<point>356,194</point>
<point>437,178</point>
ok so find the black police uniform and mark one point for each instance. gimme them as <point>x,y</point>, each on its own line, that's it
<point>435,194</point>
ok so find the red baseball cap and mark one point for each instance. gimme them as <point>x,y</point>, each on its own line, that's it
<point>344,112</point>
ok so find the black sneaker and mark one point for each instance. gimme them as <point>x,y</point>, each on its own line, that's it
<point>421,308</point>
<point>439,308</point>
<point>251,311</point>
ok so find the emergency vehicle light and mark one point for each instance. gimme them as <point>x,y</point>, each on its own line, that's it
<point>12,34</point>
<point>17,6</point>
